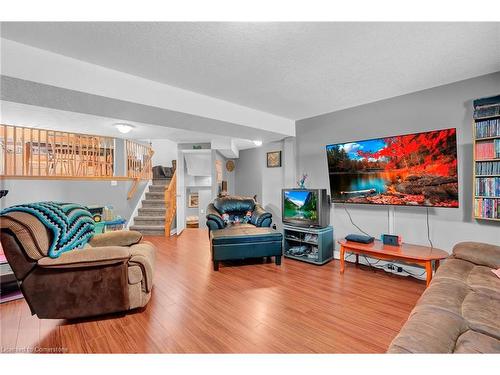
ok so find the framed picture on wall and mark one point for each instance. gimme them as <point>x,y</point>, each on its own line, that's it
<point>193,200</point>
<point>274,159</point>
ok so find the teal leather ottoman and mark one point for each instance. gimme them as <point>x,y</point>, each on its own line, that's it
<point>242,241</point>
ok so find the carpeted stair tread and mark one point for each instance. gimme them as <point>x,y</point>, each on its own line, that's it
<point>163,181</point>
<point>147,227</point>
<point>149,220</point>
<point>152,211</point>
<point>156,188</point>
<point>155,195</point>
<point>153,203</point>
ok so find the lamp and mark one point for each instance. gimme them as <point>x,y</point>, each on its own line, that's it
<point>257,142</point>
<point>123,128</point>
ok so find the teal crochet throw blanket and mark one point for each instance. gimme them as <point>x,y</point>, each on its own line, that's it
<point>72,225</point>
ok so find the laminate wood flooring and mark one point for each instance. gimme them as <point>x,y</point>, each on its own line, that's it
<point>246,307</point>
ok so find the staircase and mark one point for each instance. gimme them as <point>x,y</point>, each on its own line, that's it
<point>151,218</point>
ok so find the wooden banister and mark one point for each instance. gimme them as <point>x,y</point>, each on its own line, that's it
<point>170,203</point>
<point>43,153</point>
<point>133,188</point>
<point>139,160</point>
<point>50,154</point>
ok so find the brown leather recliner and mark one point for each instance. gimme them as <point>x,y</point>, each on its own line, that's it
<point>113,273</point>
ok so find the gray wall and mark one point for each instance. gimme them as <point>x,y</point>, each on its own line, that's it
<point>248,173</point>
<point>76,191</point>
<point>441,107</point>
<point>226,175</point>
<point>253,177</point>
<point>165,152</point>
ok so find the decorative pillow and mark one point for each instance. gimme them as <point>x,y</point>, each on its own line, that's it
<point>236,219</point>
<point>226,219</point>
<point>247,217</point>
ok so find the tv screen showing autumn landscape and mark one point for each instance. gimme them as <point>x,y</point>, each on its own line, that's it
<point>412,170</point>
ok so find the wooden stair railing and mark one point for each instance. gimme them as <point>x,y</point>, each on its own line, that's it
<point>133,188</point>
<point>51,154</point>
<point>170,203</point>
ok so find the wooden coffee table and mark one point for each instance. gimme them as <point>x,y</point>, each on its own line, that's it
<point>422,255</point>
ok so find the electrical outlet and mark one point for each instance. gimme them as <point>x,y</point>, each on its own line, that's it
<point>114,183</point>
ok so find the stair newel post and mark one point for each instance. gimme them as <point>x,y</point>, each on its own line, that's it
<point>171,203</point>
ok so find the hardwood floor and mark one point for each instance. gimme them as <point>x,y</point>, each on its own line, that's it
<point>243,308</point>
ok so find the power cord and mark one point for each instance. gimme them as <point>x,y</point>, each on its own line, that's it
<point>352,222</point>
<point>428,228</point>
<point>350,255</point>
<point>389,266</point>
<point>371,264</point>
<point>388,219</point>
<point>413,274</point>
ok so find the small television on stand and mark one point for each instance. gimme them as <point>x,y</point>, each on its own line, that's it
<point>309,208</point>
<point>308,237</point>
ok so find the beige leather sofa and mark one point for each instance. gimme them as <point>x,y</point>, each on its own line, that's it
<point>460,311</point>
<point>114,272</point>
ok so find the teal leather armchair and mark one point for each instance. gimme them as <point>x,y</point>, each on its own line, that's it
<point>236,207</point>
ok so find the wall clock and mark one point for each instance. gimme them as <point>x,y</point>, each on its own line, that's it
<point>230,165</point>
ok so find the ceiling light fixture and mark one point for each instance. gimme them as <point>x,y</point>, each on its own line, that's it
<point>123,128</point>
<point>257,143</point>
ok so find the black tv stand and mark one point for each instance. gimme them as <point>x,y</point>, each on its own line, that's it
<point>312,245</point>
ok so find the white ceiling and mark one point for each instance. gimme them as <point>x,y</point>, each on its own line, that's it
<point>295,70</point>
<point>47,118</point>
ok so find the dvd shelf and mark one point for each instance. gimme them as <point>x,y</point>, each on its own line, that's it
<point>486,140</point>
<point>487,168</point>
<point>488,149</point>
<point>488,186</point>
<point>487,208</point>
<point>312,245</point>
<point>488,128</point>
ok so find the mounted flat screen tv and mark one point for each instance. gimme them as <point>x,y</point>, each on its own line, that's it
<point>305,207</point>
<point>409,170</point>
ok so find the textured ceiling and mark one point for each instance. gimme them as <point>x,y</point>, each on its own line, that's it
<point>295,70</point>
